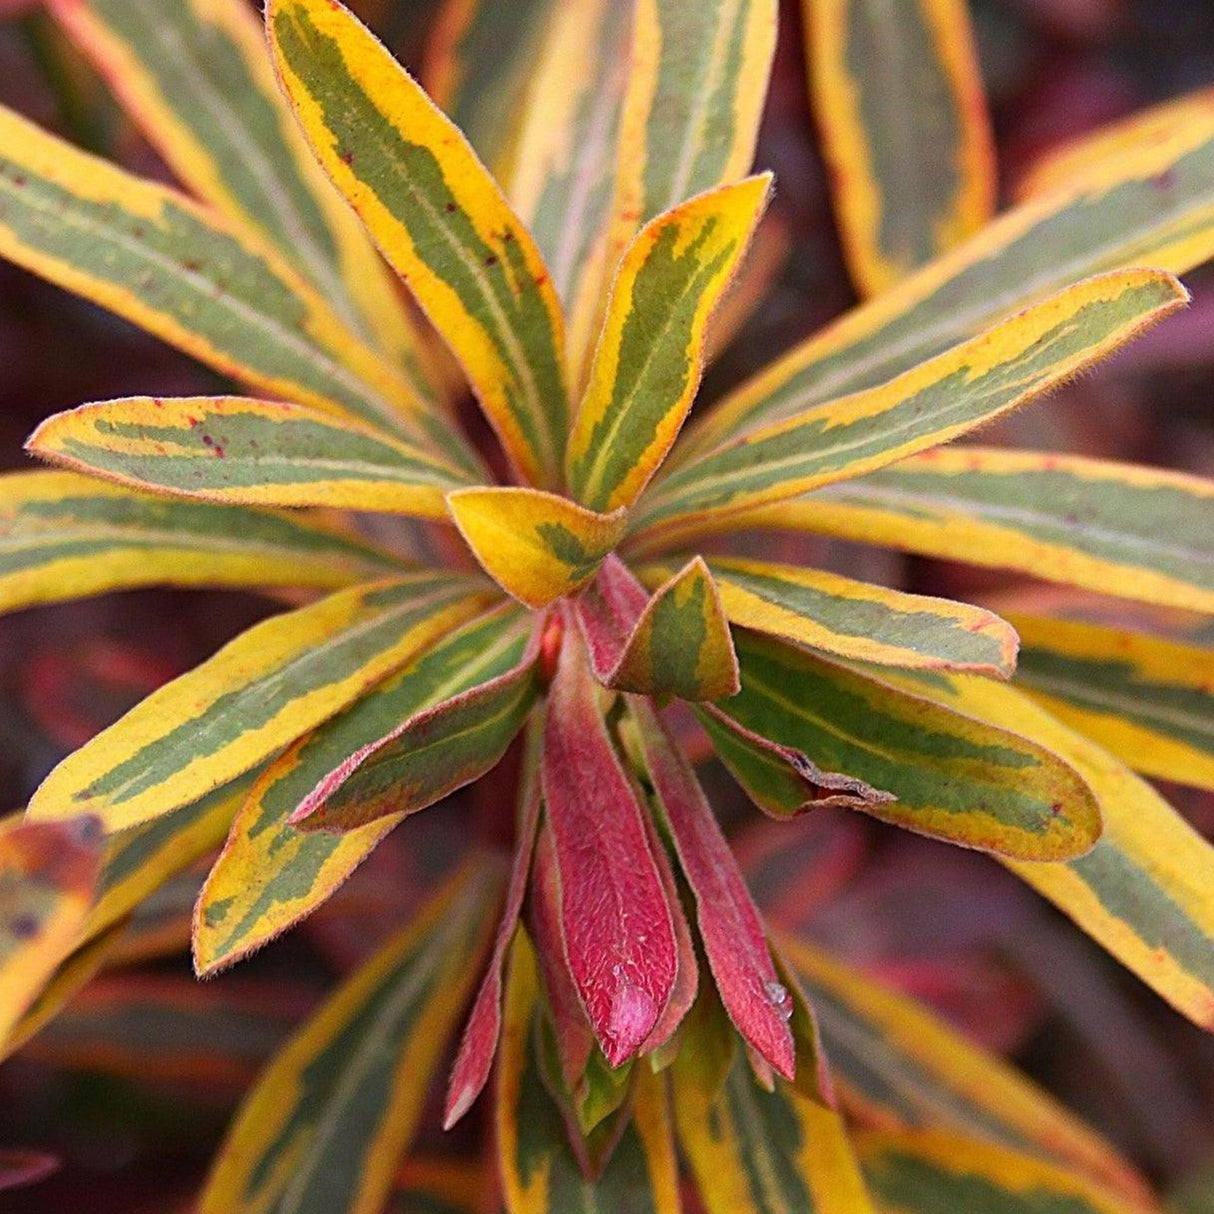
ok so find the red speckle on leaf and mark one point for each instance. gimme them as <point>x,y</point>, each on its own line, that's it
<point>346,157</point>
<point>1056,809</point>
<point>491,260</point>
<point>219,452</point>
<point>1165,180</point>
<point>450,208</point>
<point>193,422</point>
<point>207,441</point>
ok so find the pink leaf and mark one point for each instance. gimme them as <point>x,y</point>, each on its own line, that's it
<point>607,612</point>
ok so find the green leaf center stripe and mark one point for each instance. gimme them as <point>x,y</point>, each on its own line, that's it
<point>442,234</point>
<point>266,322</point>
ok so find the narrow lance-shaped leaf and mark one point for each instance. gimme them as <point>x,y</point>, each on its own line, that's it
<point>47,875</point>
<point>1145,892</point>
<point>758,1152</point>
<point>899,1064</point>
<point>955,776</point>
<point>183,272</point>
<point>21,1168</point>
<point>920,1172</point>
<point>898,100</point>
<point>260,692</point>
<point>729,924</point>
<point>861,621</point>
<point>624,957</point>
<point>270,874</point>
<point>944,398</point>
<point>537,546</point>
<point>1139,533</point>
<point>230,449</point>
<point>1146,699</point>
<point>324,1128</point>
<point>540,1173</point>
<point>64,536</point>
<point>439,218</point>
<point>198,81</point>
<point>650,353</point>
<point>1151,205</point>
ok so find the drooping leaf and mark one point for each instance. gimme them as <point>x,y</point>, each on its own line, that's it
<point>650,353</point>
<point>1064,518</point>
<point>955,776</point>
<point>1143,698</point>
<point>537,546</point>
<point>230,449</point>
<point>323,1129</point>
<point>624,957</point>
<point>440,219</point>
<point>271,874</point>
<point>899,1064</point>
<point>48,871</point>
<point>260,692</point>
<point>898,101</point>
<point>199,281</point>
<point>540,1173</point>
<point>196,78</point>
<point>861,621</point>
<point>922,1172</point>
<point>730,927</point>
<point>1153,204</point>
<point>64,536</point>
<point>21,1168</point>
<point>758,1152</point>
<point>974,382</point>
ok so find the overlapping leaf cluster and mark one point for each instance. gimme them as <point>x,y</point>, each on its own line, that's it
<point>631,993</point>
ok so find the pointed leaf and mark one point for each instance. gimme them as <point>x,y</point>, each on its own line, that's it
<point>921,1172</point>
<point>1087,522</point>
<point>197,80</point>
<point>540,1173</point>
<point>944,398</point>
<point>624,957</point>
<point>857,620</point>
<point>730,927</point>
<point>324,1128</point>
<point>439,218</point>
<point>955,776</point>
<point>64,536</point>
<point>271,874</point>
<point>1152,205</point>
<point>183,272</point>
<point>650,354</point>
<point>260,692</point>
<point>47,875</point>
<point>758,1152</point>
<point>899,1064</point>
<point>230,449</point>
<point>1146,699</point>
<point>898,100</point>
<point>536,546</point>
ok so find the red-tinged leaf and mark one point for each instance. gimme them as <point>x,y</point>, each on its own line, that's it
<point>734,940</point>
<point>21,1168</point>
<point>571,1030</point>
<point>607,612</point>
<point>478,1045</point>
<point>619,934</point>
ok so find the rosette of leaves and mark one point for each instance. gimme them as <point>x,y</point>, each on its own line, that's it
<point>629,995</point>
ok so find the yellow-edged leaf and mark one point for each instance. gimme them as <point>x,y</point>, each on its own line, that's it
<point>758,1152</point>
<point>196,78</point>
<point>899,1064</point>
<point>48,871</point>
<point>535,545</point>
<point>201,282</point>
<point>923,1172</point>
<point>323,1129</point>
<point>259,693</point>
<point>1148,700</point>
<point>979,380</point>
<point>229,449</point>
<point>650,353</point>
<point>1140,533</point>
<point>440,219</point>
<point>64,536</point>
<point>898,99</point>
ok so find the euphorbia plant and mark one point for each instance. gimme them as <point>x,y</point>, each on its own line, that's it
<point>564,604</point>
